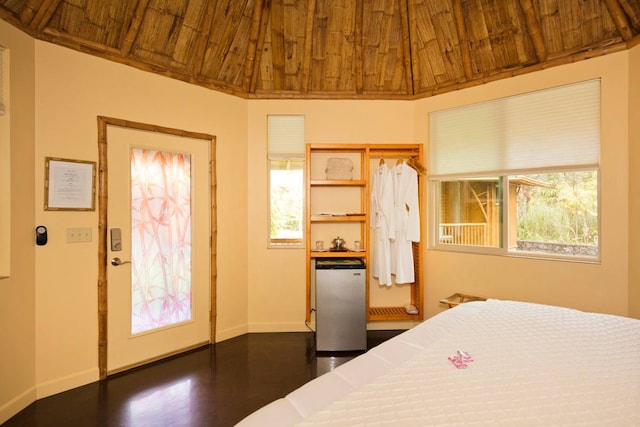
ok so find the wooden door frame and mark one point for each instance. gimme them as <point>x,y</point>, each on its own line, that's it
<point>103,124</point>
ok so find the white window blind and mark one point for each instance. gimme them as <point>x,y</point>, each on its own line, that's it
<point>285,136</point>
<point>550,128</point>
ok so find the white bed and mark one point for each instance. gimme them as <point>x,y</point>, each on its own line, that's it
<point>531,364</point>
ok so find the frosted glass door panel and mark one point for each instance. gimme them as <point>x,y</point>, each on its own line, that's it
<point>160,239</point>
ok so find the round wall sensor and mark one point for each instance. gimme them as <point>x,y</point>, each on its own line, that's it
<point>41,235</point>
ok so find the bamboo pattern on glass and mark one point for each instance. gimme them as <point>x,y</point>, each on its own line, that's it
<point>160,239</point>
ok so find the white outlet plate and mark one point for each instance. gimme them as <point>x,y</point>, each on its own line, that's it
<point>78,234</point>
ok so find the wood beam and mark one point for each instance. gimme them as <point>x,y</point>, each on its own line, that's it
<point>252,48</point>
<point>266,14</point>
<point>112,54</point>
<point>43,14</point>
<point>305,77</point>
<point>621,22</point>
<point>461,29</point>
<point>359,22</point>
<point>533,28</point>
<point>415,65</point>
<point>103,201</point>
<point>78,43</point>
<point>134,27</point>
<point>213,262</point>
<point>406,45</point>
<point>29,11</point>
<point>200,50</point>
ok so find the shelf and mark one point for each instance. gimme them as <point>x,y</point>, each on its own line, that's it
<point>459,298</point>
<point>391,313</point>
<point>339,148</point>
<point>324,197</point>
<point>330,254</point>
<point>338,183</point>
<point>338,218</point>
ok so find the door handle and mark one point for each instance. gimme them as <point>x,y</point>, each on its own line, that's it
<point>117,261</point>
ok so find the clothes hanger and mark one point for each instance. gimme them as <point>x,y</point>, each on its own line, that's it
<point>415,164</point>
<point>381,161</point>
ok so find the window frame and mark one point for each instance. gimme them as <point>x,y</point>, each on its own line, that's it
<point>503,249</point>
<point>285,243</point>
<point>554,129</point>
<point>285,142</point>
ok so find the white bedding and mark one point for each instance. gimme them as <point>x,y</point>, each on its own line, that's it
<point>532,365</point>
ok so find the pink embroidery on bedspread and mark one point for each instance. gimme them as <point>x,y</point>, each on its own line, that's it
<point>461,359</point>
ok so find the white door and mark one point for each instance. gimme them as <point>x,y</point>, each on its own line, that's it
<point>158,225</point>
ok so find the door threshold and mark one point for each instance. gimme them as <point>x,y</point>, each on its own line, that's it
<point>157,358</point>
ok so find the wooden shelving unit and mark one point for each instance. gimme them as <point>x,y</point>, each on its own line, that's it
<point>363,155</point>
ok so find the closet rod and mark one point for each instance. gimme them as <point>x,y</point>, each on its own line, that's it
<point>388,153</point>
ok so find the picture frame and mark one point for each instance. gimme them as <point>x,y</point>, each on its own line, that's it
<point>69,185</point>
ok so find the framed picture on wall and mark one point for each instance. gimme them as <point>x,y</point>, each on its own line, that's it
<point>69,185</point>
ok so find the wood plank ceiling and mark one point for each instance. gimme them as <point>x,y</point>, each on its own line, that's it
<point>333,49</point>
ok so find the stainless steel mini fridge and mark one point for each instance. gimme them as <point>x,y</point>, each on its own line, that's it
<point>341,317</point>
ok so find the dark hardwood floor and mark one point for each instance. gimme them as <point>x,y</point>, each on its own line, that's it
<point>217,385</point>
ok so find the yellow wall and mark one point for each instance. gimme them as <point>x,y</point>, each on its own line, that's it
<point>277,276</point>
<point>634,182</point>
<point>17,293</point>
<point>596,287</point>
<point>51,325</point>
<point>72,89</point>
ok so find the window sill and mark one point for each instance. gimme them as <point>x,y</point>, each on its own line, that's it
<point>478,250</point>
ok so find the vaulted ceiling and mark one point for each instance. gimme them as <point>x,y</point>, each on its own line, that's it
<point>334,49</point>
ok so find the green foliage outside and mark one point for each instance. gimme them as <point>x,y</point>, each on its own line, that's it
<point>566,212</point>
<point>286,204</point>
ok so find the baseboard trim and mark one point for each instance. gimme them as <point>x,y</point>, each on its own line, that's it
<point>158,358</point>
<point>279,327</point>
<point>229,333</point>
<point>301,327</point>
<point>59,385</point>
<point>226,334</point>
<point>17,404</point>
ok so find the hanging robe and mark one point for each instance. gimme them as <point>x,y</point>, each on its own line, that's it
<point>383,224</point>
<point>407,222</point>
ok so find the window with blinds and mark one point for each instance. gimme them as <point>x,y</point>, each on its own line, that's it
<point>519,175</point>
<point>286,150</point>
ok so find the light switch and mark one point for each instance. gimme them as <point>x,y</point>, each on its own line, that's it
<point>78,234</point>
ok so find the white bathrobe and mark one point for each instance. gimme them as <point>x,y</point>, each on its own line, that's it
<point>407,222</point>
<point>383,224</point>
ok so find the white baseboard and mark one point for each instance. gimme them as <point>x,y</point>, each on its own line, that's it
<point>17,404</point>
<point>59,385</point>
